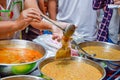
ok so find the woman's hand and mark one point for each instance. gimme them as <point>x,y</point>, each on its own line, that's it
<point>26,17</point>
<point>58,33</point>
<point>117,2</point>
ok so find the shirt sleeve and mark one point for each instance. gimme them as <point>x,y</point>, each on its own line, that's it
<point>99,4</point>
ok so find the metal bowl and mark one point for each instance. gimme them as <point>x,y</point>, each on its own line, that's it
<point>21,68</point>
<point>75,58</point>
<point>22,77</point>
<point>112,64</point>
<point>107,46</point>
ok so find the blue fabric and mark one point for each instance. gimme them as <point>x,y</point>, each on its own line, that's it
<point>109,40</point>
<point>47,32</point>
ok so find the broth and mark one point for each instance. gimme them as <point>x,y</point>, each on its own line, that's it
<point>18,55</point>
<point>103,52</point>
<point>71,70</point>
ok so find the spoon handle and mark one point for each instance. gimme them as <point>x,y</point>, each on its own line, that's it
<point>52,22</point>
<point>79,48</point>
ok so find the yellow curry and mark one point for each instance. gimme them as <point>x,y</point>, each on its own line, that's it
<point>103,52</point>
<point>71,70</point>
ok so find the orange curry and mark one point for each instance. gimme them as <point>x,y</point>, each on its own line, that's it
<point>18,55</point>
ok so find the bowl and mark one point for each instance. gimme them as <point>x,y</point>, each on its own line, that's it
<point>104,51</point>
<point>7,69</point>
<point>22,77</point>
<point>64,63</point>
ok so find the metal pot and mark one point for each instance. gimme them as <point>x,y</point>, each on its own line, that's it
<point>22,77</point>
<point>112,64</point>
<point>105,45</point>
<point>78,59</point>
<point>21,68</point>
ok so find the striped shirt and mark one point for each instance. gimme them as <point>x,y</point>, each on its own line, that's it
<point>103,29</point>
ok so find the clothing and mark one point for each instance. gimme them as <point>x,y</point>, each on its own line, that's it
<point>109,25</point>
<point>80,13</point>
<point>11,13</point>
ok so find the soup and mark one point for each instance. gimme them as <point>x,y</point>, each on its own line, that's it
<point>103,52</point>
<point>18,55</point>
<point>71,70</point>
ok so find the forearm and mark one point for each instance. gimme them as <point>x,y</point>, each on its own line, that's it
<point>31,4</point>
<point>43,25</point>
<point>52,9</point>
<point>41,6</point>
<point>7,27</point>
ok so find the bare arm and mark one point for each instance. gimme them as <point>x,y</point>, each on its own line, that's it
<point>7,27</point>
<point>42,24</point>
<point>52,9</point>
<point>42,6</point>
<point>21,22</point>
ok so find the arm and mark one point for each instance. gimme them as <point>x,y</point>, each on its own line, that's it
<point>52,9</point>
<point>41,6</point>
<point>20,23</point>
<point>99,4</point>
<point>7,27</point>
<point>45,24</point>
<point>37,25</point>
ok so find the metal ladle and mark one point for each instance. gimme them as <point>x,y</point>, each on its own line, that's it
<point>79,48</point>
<point>68,31</point>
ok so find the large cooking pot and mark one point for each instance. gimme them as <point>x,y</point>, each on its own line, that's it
<point>20,68</point>
<point>107,52</point>
<point>22,77</point>
<point>102,50</point>
<point>65,63</point>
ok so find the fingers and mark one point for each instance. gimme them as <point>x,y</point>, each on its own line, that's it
<point>32,13</point>
<point>56,37</point>
<point>35,17</point>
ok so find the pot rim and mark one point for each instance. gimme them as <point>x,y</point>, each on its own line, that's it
<point>18,64</point>
<point>30,76</point>
<point>101,43</point>
<point>74,58</point>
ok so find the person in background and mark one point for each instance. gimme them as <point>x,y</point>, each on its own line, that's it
<point>47,8</point>
<point>80,13</point>
<point>108,30</point>
<point>15,17</point>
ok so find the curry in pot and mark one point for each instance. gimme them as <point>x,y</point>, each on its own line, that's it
<point>103,52</point>
<point>71,70</point>
<point>18,55</point>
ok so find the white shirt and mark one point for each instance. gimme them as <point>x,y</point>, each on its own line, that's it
<point>80,13</point>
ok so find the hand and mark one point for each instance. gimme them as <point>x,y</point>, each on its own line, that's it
<point>117,2</point>
<point>58,33</point>
<point>26,17</point>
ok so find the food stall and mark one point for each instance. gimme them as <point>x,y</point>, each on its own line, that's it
<point>50,47</point>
